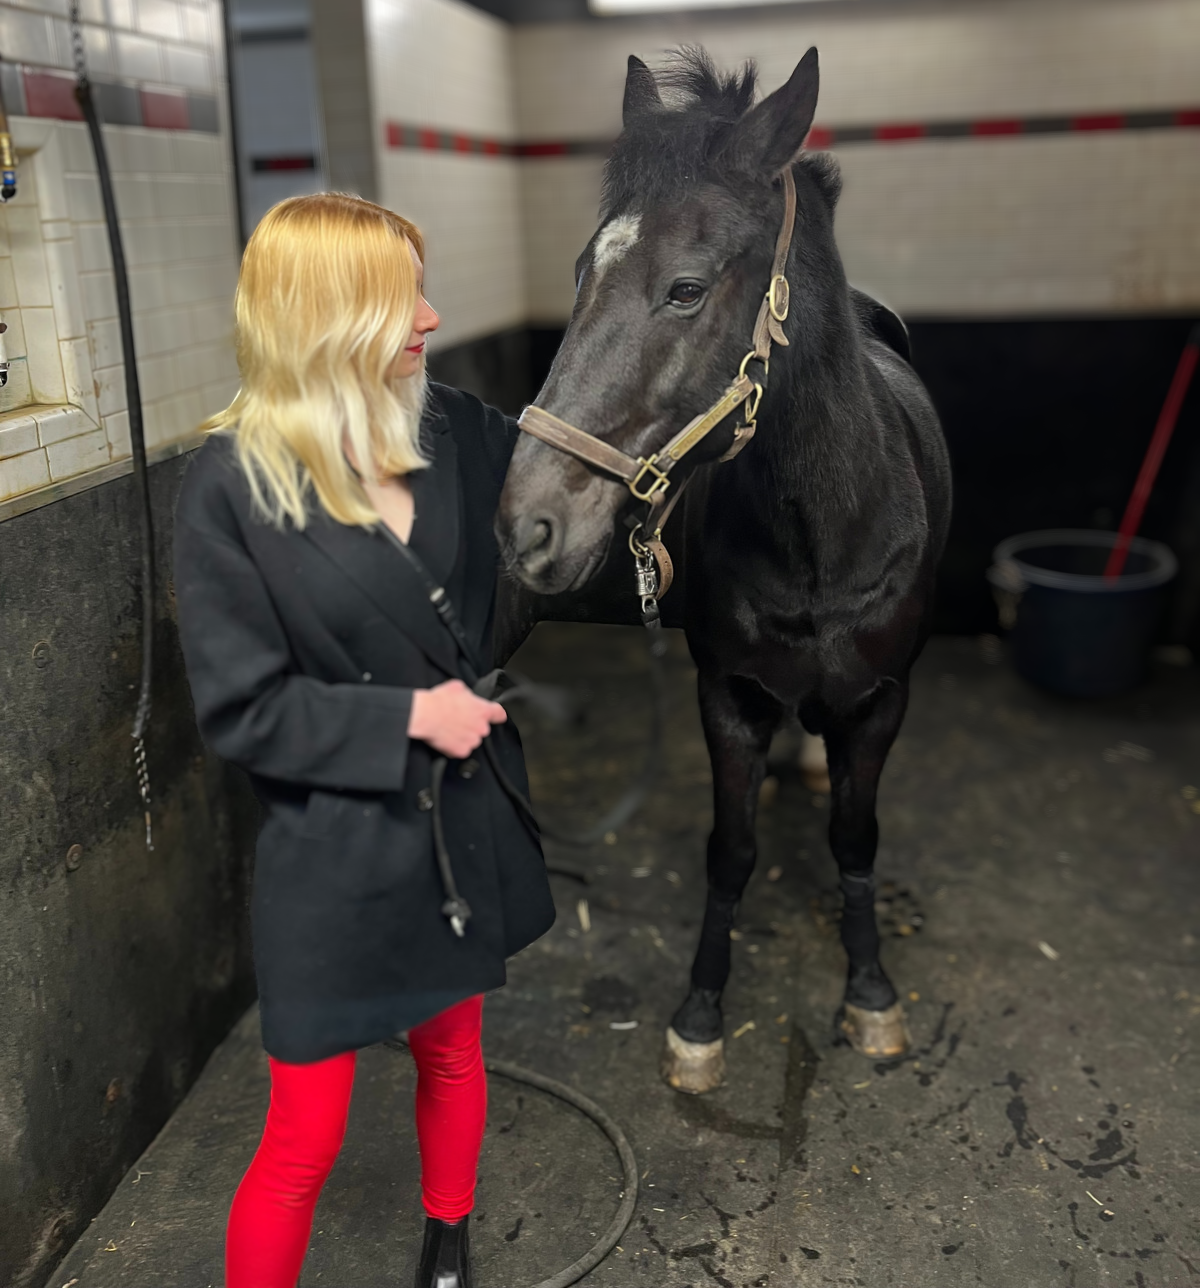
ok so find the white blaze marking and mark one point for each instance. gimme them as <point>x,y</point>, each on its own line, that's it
<point>615,239</point>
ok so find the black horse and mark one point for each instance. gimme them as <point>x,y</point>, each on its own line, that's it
<point>807,563</point>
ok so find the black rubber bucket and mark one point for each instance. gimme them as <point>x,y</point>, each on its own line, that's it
<point>1073,631</point>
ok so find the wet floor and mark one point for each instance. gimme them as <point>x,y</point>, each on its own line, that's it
<point>1040,903</point>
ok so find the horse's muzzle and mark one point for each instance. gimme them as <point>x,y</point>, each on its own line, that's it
<point>534,547</point>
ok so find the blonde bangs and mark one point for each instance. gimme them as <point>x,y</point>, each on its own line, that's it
<point>325,302</point>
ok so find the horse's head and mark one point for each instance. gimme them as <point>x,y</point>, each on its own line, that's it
<point>667,292</point>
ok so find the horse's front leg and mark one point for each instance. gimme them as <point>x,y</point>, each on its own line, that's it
<point>871,1016</point>
<point>739,719</point>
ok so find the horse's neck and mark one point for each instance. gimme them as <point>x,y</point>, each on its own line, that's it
<point>817,457</point>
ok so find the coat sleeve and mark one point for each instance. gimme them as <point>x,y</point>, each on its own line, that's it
<point>252,707</point>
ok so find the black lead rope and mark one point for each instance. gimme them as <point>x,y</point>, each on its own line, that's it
<point>491,687</point>
<point>133,399</point>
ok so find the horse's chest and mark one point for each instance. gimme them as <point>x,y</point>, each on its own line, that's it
<point>783,632</point>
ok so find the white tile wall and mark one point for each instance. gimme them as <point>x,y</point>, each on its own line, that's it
<point>1016,226</point>
<point>468,209</point>
<point>907,62</point>
<point>1022,226</point>
<point>443,64</point>
<point>559,200</point>
<point>63,412</point>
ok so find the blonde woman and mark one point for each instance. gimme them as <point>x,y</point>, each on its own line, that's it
<point>318,664</point>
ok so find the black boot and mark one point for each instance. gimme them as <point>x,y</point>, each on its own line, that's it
<point>445,1255</point>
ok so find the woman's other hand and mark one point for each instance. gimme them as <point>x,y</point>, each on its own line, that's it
<point>451,719</point>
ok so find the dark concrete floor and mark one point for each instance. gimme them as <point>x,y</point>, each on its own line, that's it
<point>1041,909</point>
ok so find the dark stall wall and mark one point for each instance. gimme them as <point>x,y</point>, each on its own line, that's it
<point>121,971</point>
<point>1047,422</point>
<point>496,368</point>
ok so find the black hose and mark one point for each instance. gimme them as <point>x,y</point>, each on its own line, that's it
<point>629,1192</point>
<point>137,434</point>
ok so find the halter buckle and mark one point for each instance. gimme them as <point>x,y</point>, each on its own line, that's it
<point>657,487</point>
<point>778,297</point>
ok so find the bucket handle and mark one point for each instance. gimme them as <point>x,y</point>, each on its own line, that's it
<point>1008,587</point>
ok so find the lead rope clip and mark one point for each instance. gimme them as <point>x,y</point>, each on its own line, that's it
<point>645,573</point>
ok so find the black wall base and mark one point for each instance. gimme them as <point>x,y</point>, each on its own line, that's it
<point>123,967</point>
<point>1047,423</point>
<point>497,368</point>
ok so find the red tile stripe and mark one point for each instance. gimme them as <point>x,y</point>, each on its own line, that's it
<point>52,94</point>
<point>48,94</point>
<point>894,133</point>
<point>426,138</point>
<point>162,111</point>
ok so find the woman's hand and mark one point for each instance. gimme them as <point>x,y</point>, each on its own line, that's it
<point>451,719</point>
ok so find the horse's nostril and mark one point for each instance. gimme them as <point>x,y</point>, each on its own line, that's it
<point>535,543</point>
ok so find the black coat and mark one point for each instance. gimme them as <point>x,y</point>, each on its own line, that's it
<point>303,649</point>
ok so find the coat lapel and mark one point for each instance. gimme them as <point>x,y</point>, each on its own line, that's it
<point>385,576</point>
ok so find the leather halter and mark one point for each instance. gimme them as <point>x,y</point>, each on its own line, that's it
<point>648,477</point>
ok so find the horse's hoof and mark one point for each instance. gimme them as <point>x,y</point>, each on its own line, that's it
<point>693,1067</point>
<point>882,1035</point>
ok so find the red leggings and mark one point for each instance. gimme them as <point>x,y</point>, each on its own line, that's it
<point>272,1214</point>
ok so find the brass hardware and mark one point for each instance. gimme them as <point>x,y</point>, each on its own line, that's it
<point>750,410</point>
<point>697,430</point>
<point>424,800</point>
<point>41,654</point>
<point>778,298</point>
<point>637,548</point>
<point>660,484</point>
<point>754,354</point>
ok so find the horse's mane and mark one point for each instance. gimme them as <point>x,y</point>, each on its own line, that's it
<point>692,78</point>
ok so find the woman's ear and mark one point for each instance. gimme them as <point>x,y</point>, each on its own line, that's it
<point>771,135</point>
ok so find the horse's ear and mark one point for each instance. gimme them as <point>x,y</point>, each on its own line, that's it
<point>641,90</point>
<point>772,134</point>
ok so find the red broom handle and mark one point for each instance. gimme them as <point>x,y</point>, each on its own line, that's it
<point>1154,455</point>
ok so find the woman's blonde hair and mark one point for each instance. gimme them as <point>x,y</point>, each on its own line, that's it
<point>325,303</point>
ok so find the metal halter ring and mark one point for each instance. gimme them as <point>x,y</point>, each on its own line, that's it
<point>766,364</point>
<point>778,298</point>
<point>750,407</point>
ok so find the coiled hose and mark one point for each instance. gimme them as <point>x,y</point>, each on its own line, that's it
<point>577,1100</point>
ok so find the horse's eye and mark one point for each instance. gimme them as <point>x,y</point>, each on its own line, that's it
<point>684,294</point>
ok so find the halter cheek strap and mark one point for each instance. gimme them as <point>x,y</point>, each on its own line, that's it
<point>648,477</point>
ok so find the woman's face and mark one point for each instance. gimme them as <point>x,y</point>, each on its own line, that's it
<point>408,361</point>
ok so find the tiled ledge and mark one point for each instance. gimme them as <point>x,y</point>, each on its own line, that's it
<point>44,422</point>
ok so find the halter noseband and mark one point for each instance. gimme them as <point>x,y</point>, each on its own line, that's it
<point>648,477</point>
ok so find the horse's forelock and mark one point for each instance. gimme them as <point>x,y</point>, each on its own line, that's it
<point>660,151</point>
<point>691,76</point>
